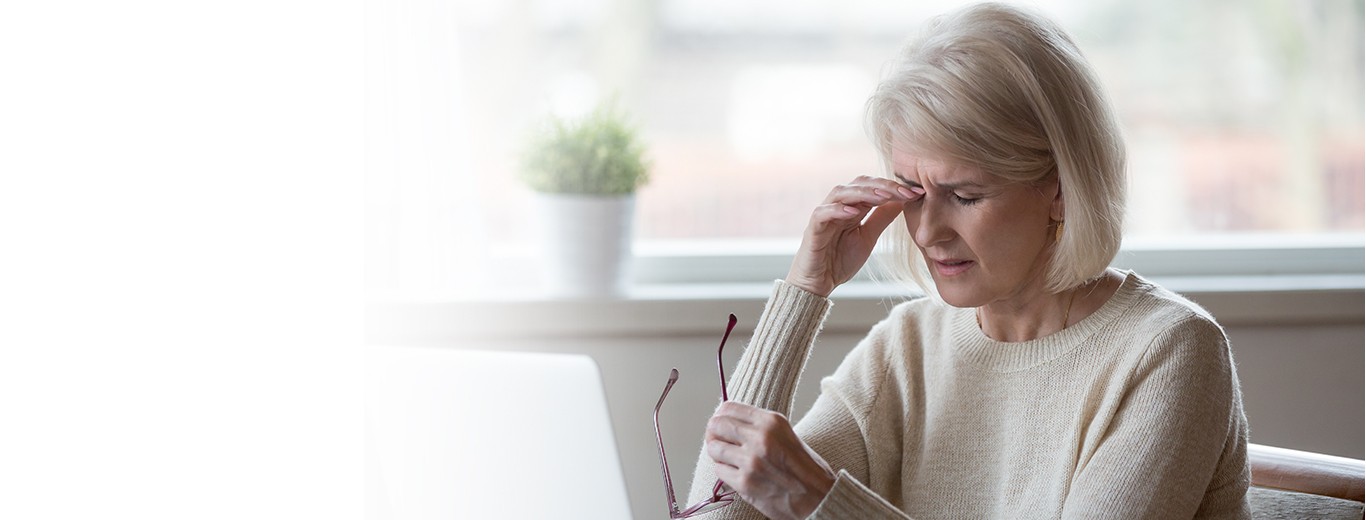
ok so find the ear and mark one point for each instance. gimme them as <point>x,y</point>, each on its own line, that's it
<point>1056,209</point>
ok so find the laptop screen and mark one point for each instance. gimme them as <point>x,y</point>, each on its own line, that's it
<point>472,434</point>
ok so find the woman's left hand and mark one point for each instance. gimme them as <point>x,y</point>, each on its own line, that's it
<point>759,455</point>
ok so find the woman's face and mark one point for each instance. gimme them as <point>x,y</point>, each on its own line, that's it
<point>985,240</point>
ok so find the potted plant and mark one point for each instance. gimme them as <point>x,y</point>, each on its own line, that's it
<point>585,173</point>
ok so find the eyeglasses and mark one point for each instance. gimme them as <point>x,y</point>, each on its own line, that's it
<point>718,498</point>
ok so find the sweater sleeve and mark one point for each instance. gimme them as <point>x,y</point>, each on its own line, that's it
<point>767,374</point>
<point>767,377</point>
<point>770,368</point>
<point>1176,446</point>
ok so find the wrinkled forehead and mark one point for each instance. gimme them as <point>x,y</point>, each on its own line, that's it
<point>922,168</point>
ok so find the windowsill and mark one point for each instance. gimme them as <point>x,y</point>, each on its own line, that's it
<point>678,309</point>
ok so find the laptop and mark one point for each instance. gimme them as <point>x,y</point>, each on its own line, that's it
<point>462,434</point>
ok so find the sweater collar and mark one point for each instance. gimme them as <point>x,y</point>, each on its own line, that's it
<point>974,345</point>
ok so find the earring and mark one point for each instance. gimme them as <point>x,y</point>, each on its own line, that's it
<point>1057,232</point>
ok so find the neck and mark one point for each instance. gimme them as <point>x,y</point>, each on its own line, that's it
<point>1015,321</point>
<point>1023,319</point>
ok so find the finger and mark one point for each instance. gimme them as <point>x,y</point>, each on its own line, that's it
<point>726,429</point>
<point>723,453</point>
<point>730,475</point>
<point>881,217</point>
<point>889,185</point>
<point>740,411</point>
<point>750,422</point>
<point>863,194</point>
<point>838,215</point>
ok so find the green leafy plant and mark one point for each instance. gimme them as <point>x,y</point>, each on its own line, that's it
<point>599,154</point>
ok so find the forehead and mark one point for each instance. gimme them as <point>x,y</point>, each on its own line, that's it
<point>923,168</point>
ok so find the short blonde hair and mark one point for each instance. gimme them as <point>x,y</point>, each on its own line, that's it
<point>1007,91</point>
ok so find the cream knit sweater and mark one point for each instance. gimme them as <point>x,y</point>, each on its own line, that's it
<point>1133,412</point>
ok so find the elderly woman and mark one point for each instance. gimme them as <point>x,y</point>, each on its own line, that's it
<point>1040,382</point>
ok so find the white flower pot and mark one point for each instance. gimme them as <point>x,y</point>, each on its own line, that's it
<point>586,243</point>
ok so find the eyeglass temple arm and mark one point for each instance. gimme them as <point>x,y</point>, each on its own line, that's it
<point>720,368</point>
<point>725,396</point>
<point>664,460</point>
<point>659,438</point>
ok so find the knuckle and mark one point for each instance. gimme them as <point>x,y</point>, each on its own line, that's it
<point>713,423</point>
<point>715,450</point>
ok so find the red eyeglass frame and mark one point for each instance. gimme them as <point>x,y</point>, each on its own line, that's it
<point>718,499</point>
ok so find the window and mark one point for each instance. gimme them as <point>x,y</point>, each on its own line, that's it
<point>1243,121</point>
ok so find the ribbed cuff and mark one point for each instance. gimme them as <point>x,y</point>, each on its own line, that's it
<point>768,372</point>
<point>851,499</point>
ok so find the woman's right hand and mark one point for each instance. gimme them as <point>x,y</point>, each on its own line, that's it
<point>839,240</point>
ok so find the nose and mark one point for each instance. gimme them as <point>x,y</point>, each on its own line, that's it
<point>930,222</point>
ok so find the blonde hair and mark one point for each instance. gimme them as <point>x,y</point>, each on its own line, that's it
<point>1007,91</point>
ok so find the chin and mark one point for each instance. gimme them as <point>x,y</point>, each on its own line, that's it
<point>961,303</point>
<point>955,295</point>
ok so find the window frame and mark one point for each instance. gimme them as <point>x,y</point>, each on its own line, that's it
<point>1254,255</point>
<point>679,290</point>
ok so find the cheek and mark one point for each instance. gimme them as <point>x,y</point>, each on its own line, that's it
<point>1016,235</point>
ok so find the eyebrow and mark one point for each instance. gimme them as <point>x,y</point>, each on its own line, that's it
<point>949,186</point>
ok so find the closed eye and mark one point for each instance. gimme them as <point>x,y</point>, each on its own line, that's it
<point>966,200</point>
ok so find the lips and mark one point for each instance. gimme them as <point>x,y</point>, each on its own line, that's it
<point>952,266</point>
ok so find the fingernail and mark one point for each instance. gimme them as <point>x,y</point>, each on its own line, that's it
<point>905,192</point>
<point>850,210</point>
